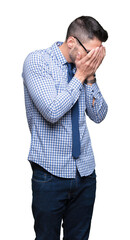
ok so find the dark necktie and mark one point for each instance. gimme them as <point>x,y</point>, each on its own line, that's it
<point>75,120</point>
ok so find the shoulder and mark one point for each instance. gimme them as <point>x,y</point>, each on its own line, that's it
<point>38,60</point>
<point>34,58</point>
<point>39,57</point>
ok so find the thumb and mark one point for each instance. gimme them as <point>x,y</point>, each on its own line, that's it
<point>78,57</point>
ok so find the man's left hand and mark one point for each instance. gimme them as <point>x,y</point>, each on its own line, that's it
<point>101,55</point>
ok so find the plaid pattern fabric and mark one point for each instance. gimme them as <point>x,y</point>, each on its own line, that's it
<point>48,101</point>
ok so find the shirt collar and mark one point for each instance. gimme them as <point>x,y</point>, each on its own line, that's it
<point>58,52</point>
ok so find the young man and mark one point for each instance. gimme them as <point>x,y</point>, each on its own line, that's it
<point>60,87</point>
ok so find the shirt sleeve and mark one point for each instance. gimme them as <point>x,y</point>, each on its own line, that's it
<point>98,112</point>
<point>41,87</point>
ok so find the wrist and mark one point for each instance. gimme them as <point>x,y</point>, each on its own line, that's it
<point>91,77</point>
<point>90,82</point>
<point>80,77</point>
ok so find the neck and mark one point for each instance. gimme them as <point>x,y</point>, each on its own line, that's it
<point>65,51</point>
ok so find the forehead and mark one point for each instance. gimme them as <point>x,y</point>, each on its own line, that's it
<point>93,43</point>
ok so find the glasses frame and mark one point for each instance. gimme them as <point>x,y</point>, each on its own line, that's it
<point>82,45</point>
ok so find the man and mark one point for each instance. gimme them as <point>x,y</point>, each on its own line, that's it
<point>60,87</point>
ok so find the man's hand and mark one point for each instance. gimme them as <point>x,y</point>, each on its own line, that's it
<point>87,66</point>
<point>101,56</point>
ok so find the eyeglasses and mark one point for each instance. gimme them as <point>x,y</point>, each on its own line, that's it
<point>82,45</point>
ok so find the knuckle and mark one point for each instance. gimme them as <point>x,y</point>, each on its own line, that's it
<point>89,56</point>
<point>87,64</point>
<point>92,65</point>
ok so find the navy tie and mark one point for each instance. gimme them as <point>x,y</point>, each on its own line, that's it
<point>75,120</point>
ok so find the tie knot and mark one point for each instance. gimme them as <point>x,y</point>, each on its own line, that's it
<point>70,71</point>
<point>70,66</point>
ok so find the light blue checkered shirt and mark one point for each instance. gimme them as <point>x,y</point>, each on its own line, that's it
<point>48,101</point>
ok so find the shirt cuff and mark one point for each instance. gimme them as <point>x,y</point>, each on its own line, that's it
<point>93,90</point>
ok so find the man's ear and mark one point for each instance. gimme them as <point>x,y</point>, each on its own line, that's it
<point>70,42</point>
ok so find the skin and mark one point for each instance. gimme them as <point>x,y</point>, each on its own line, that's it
<point>86,63</point>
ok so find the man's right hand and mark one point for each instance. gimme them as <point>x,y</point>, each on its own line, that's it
<point>88,65</point>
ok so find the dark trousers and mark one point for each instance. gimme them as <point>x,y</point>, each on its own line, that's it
<point>55,199</point>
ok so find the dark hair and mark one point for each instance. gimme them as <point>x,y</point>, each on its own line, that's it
<point>86,27</point>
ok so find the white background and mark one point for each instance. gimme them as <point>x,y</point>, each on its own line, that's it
<point>30,25</point>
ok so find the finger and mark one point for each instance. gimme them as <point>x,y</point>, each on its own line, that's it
<point>90,61</point>
<point>101,53</point>
<point>78,57</point>
<point>98,53</point>
<point>104,51</point>
<point>95,56</point>
<point>88,56</point>
<point>94,59</point>
<point>98,56</point>
<point>100,59</point>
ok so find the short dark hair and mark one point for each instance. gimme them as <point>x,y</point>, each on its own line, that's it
<point>86,27</point>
